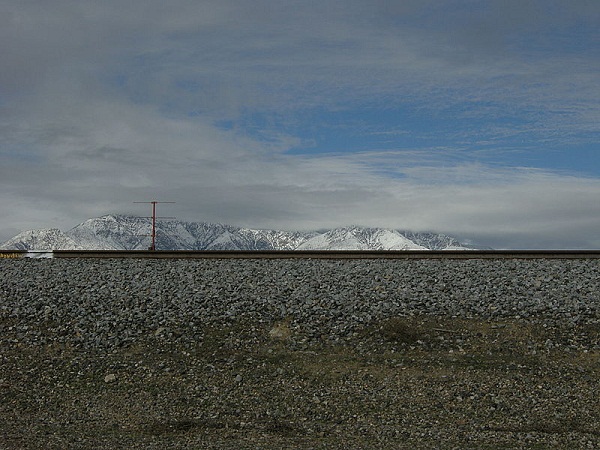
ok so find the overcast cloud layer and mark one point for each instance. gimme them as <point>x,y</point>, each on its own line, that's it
<point>475,118</point>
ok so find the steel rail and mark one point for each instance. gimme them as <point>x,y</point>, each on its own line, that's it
<point>331,254</point>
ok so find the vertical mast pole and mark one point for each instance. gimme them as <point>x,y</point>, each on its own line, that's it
<point>153,225</point>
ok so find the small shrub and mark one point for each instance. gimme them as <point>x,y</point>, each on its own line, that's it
<point>399,330</point>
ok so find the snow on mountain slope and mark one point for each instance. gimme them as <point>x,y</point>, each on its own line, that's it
<point>434,241</point>
<point>50,239</point>
<point>114,232</point>
<point>357,238</point>
<point>270,239</point>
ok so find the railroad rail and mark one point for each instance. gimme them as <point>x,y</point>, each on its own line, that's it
<point>304,254</point>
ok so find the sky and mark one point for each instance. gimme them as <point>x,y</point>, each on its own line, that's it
<point>475,118</point>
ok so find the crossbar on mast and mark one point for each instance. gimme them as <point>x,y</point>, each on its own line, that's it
<point>153,203</point>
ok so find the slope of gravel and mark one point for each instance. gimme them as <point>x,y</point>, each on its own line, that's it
<point>108,303</point>
<point>299,354</point>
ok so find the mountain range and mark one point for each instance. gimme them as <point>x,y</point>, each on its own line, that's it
<point>119,232</point>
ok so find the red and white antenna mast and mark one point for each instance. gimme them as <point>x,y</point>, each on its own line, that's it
<point>153,203</point>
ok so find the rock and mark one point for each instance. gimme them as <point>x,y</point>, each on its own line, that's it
<point>110,378</point>
<point>280,331</point>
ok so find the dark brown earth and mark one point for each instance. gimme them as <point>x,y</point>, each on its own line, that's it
<point>428,382</point>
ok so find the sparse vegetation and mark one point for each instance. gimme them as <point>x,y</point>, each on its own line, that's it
<point>417,381</point>
<point>400,330</point>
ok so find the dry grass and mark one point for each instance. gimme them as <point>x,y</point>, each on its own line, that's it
<point>469,382</point>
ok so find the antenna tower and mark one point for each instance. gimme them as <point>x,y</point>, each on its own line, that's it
<point>153,203</point>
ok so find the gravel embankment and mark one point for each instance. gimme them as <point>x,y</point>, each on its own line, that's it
<point>108,303</point>
<point>299,353</point>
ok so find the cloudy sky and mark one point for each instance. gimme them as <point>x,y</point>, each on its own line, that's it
<point>477,118</point>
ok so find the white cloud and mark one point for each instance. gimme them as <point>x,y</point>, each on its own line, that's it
<point>106,103</point>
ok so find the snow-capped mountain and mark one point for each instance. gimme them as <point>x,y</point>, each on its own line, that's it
<point>41,240</point>
<point>113,232</point>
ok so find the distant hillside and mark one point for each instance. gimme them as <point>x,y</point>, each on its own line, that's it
<point>114,232</point>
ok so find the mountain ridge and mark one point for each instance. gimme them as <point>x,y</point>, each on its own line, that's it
<point>121,232</point>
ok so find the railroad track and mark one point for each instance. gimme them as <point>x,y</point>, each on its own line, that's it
<point>301,254</point>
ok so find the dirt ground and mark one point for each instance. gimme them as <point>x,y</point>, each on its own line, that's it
<point>420,382</point>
